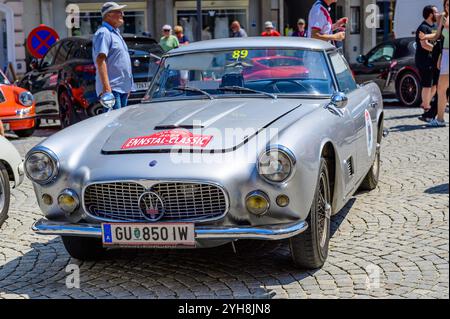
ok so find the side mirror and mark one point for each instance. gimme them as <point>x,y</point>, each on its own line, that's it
<point>108,101</point>
<point>361,59</point>
<point>339,100</point>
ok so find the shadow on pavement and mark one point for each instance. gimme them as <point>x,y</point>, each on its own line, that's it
<point>254,267</point>
<point>440,189</point>
<point>409,128</point>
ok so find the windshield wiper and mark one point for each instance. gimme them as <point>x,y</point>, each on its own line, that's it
<point>191,89</point>
<point>244,89</point>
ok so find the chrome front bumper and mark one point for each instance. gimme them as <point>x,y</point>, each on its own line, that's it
<point>275,232</point>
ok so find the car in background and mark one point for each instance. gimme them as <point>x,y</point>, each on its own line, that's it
<point>392,66</point>
<point>17,108</point>
<point>11,170</point>
<point>63,82</point>
<point>275,67</point>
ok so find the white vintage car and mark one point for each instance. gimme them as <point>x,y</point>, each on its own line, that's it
<point>11,170</point>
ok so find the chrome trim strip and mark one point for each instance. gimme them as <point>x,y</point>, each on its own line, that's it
<point>148,184</point>
<point>274,232</point>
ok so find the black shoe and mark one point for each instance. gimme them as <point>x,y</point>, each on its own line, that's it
<point>425,119</point>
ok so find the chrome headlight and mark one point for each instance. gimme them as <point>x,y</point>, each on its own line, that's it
<point>41,166</point>
<point>277,164</point>
<point>26,99</point>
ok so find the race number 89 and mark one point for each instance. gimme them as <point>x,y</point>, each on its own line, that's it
<point>240,54</point>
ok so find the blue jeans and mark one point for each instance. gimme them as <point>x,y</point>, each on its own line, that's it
<point>121,101</point>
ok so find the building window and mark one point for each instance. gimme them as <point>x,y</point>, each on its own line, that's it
<point>91,19</point>
<point>217,17</point>
<point>355,20</point>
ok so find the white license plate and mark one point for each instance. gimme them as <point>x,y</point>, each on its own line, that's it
<point>149,235</point>
<point>141,86</point>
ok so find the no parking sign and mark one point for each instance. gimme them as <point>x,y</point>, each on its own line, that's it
<point>40,41</point>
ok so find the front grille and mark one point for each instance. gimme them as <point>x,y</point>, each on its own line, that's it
<point>182,201</point>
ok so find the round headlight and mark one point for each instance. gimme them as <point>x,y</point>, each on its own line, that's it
<point>26,99</point>
<point>276,165</point>
<point>41,167</point>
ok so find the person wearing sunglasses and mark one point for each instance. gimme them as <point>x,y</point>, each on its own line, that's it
<point>168,41</point>
<point>111,57</point>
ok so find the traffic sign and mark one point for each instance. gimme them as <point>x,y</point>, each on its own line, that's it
<point>40,41</point>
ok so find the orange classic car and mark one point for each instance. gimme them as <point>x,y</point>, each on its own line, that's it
<point>17,108</point>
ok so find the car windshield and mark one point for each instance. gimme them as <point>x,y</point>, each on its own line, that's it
<point>263,72</point>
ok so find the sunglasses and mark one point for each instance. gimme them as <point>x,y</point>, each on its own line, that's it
<point>167,30</point>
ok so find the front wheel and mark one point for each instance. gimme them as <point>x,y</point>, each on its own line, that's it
<point>67,114</point>
<point>5,192</point>
<point>409,90</point>
<point>309,249</point>
<point>84,249</point>
<point>25,133</point>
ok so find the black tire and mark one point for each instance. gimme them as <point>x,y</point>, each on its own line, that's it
<point>309,249</point>
<point>370,182</point>
<point>5,193</point>
<point>67,114</point>
<point>25,133</point>
<point>409,89</point>
<point>95,110</point>
<point>84,249</point>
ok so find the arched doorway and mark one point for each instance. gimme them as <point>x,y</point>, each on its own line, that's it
<point>7,35</point>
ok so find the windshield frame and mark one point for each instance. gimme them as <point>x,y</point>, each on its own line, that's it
<point>325,53</point>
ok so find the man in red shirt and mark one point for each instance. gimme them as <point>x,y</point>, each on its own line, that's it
<point>270,30</point>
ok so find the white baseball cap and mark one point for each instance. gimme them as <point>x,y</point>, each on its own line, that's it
<point>269,24</point>
<point>111,6</point>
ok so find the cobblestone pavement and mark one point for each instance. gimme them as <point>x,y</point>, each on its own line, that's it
<point>399,232</point>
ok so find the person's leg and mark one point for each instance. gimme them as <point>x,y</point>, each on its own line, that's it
<point>124,100</point>
<point>427,84</point>
<point>426,98</point>
<point>442,93</point>
<point>2,130</point>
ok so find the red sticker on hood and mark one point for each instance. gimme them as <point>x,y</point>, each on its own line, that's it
<point>169,138</point>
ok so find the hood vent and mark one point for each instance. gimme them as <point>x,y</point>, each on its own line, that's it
<point>174,127</point>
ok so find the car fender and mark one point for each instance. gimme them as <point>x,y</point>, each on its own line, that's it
<point>11,158</point>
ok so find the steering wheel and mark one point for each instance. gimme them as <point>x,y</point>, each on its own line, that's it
<point>273,83</point>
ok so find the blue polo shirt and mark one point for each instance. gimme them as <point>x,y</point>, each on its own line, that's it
<point>110,42</point>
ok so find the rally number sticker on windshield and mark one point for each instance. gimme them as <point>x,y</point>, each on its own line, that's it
<point>240,54</point>
<point>369,132</point>
<point>169,138</point>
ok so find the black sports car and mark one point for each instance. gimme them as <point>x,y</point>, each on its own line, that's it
<point>63,82</point>
<point>392,66</point>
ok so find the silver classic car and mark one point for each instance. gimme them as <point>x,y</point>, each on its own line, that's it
<point>249,138</point>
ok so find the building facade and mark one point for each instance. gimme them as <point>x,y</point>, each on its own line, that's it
<point>18,18</point>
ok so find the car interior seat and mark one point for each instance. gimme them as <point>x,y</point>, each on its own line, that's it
<point>232,79</point>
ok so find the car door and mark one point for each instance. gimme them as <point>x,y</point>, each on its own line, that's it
<point>358,102</point>
<point>43,81</point>
<point>376,65</point>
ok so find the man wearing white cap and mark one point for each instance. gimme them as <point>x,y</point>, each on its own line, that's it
<point>270,30</point>
<point>111,56</point>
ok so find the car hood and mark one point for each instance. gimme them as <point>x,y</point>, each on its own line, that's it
<point>206,125</point>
